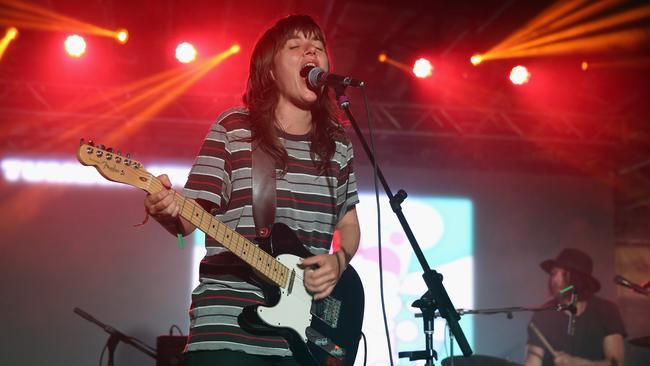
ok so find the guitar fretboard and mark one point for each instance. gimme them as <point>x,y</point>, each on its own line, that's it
<point>250,253</point>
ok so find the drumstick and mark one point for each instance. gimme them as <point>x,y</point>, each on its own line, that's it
<point>543,339</point>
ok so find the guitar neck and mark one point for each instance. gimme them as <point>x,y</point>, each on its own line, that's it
<point>258,259</point>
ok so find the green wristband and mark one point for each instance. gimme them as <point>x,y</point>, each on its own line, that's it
<point>181,242</point>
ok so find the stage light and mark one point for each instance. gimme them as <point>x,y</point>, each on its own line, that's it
<point>584,66</point>
<point>573,27</point>
<point>422,68</point>
<point>75,45</point>
<point>519,75</point>
<point>382,57</point>
<point>235,48</point>
<point>476,59</point>
<point>186,53</point>
<point>122,36</point>
<point>11,34</point>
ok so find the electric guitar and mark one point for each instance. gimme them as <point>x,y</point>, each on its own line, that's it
<point>323,332</point>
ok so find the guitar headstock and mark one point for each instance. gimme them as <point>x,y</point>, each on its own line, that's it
<point>113,166</point>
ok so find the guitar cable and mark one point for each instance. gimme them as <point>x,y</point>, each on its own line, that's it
<point>381,269</point>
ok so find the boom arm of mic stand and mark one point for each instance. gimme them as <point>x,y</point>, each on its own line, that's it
<point>117,336</point>
<point>432,278</point>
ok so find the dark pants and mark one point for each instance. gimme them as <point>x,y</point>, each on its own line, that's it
<point>227,357</point>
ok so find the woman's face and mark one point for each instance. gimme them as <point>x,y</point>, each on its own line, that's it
<point>298,51</point>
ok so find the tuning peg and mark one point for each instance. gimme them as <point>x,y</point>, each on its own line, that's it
<point>110,149</point>
<point>101,146</point>
<point>119,153</point>
<point>128,155</point>
<point>81,141</point>
<point>91,143</point>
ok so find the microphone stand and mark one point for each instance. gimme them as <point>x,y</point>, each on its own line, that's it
<point>571,327</point>
<point>116,337</point>
<point>491,311</point>
<point>436,291</point>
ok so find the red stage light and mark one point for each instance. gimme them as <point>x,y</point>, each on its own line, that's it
<point>519,75</point>
<point>186,53</point>
<point>422,68</point>
<point>476,59</point>
<point>75,45</point>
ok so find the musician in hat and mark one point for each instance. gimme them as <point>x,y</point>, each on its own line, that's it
<point>587,330</point>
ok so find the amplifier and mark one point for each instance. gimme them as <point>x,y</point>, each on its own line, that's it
<point>170,350</point>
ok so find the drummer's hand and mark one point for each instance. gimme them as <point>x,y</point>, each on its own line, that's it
<point>565,359</point>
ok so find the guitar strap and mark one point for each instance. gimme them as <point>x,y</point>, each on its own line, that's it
<point>264,195</point>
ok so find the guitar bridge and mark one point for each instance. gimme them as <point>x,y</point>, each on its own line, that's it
<point>327,310</point>
<point>325,343</point>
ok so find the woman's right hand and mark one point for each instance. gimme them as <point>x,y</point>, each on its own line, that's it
<point>161,205</point>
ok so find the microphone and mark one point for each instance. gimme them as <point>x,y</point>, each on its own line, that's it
<point>318,77</point>
<point>631,285</point>
<point>571,329</point>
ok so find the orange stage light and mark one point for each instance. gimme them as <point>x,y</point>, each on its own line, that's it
<point>476,59</point>
<point>11,34</point>
<point>122,36</point>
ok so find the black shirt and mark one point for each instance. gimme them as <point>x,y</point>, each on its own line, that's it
<point>600,319</point>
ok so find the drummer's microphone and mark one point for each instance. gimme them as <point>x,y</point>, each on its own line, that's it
<point>571,329</point>
<point>631,285</point>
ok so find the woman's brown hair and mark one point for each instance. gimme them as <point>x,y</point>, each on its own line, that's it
<point>261,96</point>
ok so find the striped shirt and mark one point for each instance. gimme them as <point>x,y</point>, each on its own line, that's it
<point>309,203</point>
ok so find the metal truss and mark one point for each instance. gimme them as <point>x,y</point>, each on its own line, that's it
<point>615,146</point>
<point>407,120</point>
<point>503,124</point>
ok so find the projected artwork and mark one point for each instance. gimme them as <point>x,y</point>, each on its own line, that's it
<point>444,229</point>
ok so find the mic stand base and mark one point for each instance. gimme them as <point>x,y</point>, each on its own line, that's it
<point>428,307</point>
<point>111,344</point>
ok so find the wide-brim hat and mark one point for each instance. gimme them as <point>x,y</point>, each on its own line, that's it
<point>578,263</point>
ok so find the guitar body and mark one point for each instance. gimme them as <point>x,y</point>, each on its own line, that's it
<point>324,332</point>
